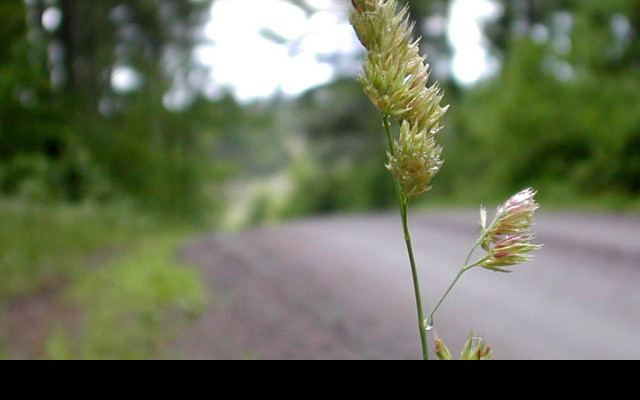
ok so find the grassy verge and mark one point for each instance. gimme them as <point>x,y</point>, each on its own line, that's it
<point>41,245</point>
<point>118,273</point>
<point>132,303</point>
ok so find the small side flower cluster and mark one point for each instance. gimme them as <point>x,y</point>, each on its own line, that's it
<point>396,78</point>
<point>507,240</point>
<point>474,349</point>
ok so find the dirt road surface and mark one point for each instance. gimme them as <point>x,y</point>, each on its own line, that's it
<point>340,288</point>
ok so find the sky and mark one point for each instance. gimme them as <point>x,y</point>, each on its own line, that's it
<point>471,61</point>
<point>262,48</point>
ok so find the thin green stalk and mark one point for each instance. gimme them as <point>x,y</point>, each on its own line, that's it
<point>416,282</point>
<point>403,203</point>
<point>429,321</point>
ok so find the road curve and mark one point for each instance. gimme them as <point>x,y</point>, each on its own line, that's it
<point>340,288</point>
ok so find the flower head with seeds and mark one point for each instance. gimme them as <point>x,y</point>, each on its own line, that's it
<point>414,160</point>
<point>396,75</point>
<point>508,239</point>
<point>516,215</point>
<point>396,80</point>
<point>474,349</point>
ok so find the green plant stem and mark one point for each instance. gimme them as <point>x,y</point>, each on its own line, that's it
<point>416,281</point>
<point>429,320</point>
<point>403,203</point>
<point>465,268</point>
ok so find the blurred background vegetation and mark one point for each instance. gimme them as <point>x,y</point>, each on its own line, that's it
<point>114,148</point>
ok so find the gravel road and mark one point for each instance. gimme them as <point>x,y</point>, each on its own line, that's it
<point>340,288</point>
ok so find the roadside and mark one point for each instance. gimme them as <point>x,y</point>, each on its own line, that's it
<point>255,315</point>
<point>90,283</point>
<point>338,288</point>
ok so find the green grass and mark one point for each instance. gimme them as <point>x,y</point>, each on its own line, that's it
<point>118,269</point>
<point>43,245</point>
<point>132,303</point>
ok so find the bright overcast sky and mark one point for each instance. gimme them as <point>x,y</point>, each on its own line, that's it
<point>264,47</point>
<point>471,60</point>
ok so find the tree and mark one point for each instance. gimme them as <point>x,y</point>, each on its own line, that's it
<point>563,113</point>
<point>113,86</point>
<point>30,125</point>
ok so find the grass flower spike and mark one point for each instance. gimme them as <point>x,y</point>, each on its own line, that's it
<point>396,78</point>
<point>510,251</point>
<point>442,351</point>
<point>414,160</point>
<point>474,349</point>
<point>396,75</point>
<point>515,216</point>
<point>508,239</point>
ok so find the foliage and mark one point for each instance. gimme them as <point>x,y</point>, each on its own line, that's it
<point>118,268</point>
<point>69,132</point>
<point>560,115</point>
<point>559,118</point>
<point>43,245</point>
<point>90,158</point>
<point>130,303</point>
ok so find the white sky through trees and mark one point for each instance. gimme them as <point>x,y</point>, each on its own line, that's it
<point>260,48</point>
